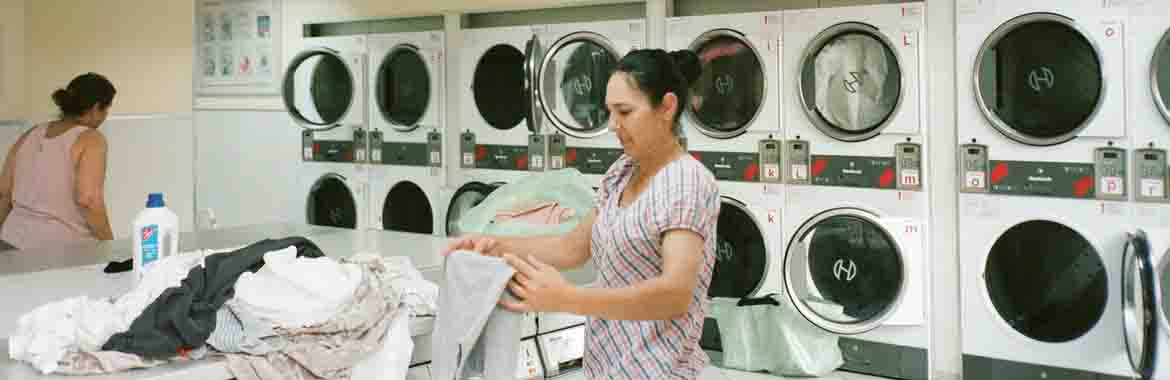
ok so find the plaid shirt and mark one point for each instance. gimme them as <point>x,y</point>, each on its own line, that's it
<point>626,244</point>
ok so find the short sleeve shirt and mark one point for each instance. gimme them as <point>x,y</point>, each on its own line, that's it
<point>627,249</point>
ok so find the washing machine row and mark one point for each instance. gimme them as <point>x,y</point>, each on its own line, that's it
<point>849,201</point>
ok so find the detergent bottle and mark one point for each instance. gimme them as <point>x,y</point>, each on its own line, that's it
<point>156,234</point>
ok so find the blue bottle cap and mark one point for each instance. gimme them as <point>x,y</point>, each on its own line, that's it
<point>155,200</point>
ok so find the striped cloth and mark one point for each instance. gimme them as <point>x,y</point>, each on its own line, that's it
<point>625,245</point>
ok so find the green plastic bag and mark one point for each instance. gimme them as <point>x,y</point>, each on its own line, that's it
<point>768,334</point>
<point>567,187</point>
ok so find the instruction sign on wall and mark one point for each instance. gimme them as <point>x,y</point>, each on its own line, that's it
<point>237,47</point>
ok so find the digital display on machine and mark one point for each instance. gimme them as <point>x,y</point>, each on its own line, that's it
<point>908,150</point>
<point>973,151</point>
<point>1110,155</point>
<point>797,147</point>
<point>1151,157</point>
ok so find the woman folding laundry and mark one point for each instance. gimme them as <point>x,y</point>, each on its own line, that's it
<point>51,187</point>
<point>651,236</point>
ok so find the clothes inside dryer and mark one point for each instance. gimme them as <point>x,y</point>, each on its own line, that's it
<point>1046,281</point>
<point>1161,75</point>
<point>465,198</point>
<point>403,87</point>
<point>320,88</point>
<point>854,273</point>
<point>730,91</point>
<point>1041,77</point>
<point>851,81</point>
<point>741,256</point>
<point>331,204</point>
<point>581,70</point>
<point>498,87</point>
<point>407,209</point>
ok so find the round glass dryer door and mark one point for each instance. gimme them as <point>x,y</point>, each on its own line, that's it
<point>330,203</point>
<point>844,271</point>
<point>575,72</point>
<point>498,87</point>
<point>732,87</point>
<point>403,87</point>
<point>318,89</point>
<point>1039,79</point>
<point>407,209</point>
<point>1138,304</point>
<point>1046,281</point>
<point>1160,75</point>
<point>741,256</point>
<point>850,81</point>
<point>467,197</point>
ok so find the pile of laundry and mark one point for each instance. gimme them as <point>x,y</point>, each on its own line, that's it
<point>276,309</point>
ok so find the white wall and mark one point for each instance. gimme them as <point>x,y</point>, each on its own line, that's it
<point>247,166</point>
<point>149,154</point>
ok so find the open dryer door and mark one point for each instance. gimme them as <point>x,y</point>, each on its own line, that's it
<point>320,89</point>
<point>1036,92</point>
<point>848,271</point>
<point>403,87</point>
<point>331,203</point>
<point>407,209</point>
<point>533,53</point>
<point>741,261</point>
<point>573,77</point>
<point>468,196</point>
<point>1160,75</point>
<point>1139,304</point>
<point>851,81</point>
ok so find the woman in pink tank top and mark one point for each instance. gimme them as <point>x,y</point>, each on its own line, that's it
<point>51,188</point>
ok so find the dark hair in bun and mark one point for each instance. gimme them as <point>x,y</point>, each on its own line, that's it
<point>657,73</point>
<point>84,92</point>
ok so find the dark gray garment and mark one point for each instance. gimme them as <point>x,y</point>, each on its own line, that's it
<point>183,317</point>
<point>474,337</point>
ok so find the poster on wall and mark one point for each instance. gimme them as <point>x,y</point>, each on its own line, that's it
<point>237,44</point>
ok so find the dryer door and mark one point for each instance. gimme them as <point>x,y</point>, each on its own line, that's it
<point>319,89</point>
<point>1139,304</point>
<point>850,81</point>
<point>848,271</point>
<point>533,54</point>
<point>741,255</point>
<point>467,197</point>
<point>403,87</point>
<point>331,203</point>
<point>732,87</point>
<point>574,74</point>
<point>1033,90</point>
<point>1046,281</point>
<point>407,209</point>
<point>1160,75</point>
<point>741,261</point>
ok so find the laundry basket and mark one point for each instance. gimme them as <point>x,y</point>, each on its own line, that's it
<point>768,334</point>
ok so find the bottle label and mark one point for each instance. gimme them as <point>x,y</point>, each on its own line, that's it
<point>149,244</point>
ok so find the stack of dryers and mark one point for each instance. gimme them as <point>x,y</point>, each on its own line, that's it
<point>324,92</point>
<point>498,114</point>
<point>1044,219</point>
<point>1146,274</point>
<point>734,111</point>
<point>857,201</point>
<point>406,116</point>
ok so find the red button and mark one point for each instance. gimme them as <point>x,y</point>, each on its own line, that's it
<point>571,155</point>
<point>819,166</point>
<point>1083,186</point>
<point>751,171</point>
<point>999,172</point>
<point>480,153</point>
<point>522,162</point>
<point>887,178</point>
